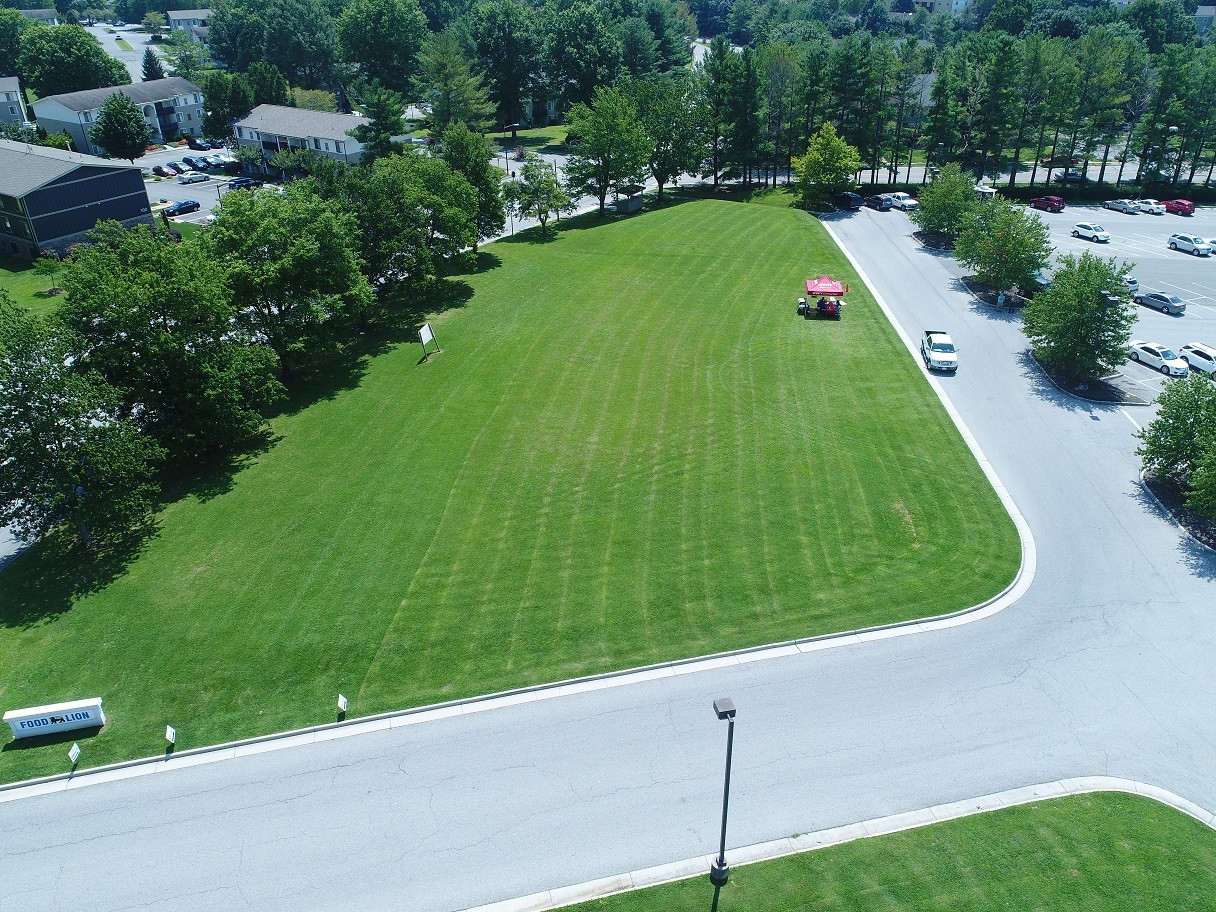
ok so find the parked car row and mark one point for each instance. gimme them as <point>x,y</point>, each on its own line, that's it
<point>1192,356</point>
<point>884,201</point>
<point>1128,206</point>
<point>193,163</point>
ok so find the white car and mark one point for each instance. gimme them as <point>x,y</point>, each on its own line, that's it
<point>1090,231</point>
<point>1189,243</point>
<point>1158,357</point>
<point>1152,207</point>
<point>1201,357</point>
<point>903,201</point>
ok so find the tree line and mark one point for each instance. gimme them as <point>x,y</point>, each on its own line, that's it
<point>166,354</point>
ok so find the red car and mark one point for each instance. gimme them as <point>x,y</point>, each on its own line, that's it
<point>1050,203</point>
<point>1179,206</point>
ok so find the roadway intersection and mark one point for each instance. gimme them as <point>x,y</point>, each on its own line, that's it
<point>1102,668</point>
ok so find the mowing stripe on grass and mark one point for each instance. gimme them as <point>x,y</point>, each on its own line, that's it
<point>630,451</point>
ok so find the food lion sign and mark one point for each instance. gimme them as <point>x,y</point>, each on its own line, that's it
<point>58,717</point>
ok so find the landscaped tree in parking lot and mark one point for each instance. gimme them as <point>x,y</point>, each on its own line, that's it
<point>1183,434</point>
<point>1074,329</point>
<point>1006,245</point>
<point>121,129</point>
<point>946,203</point>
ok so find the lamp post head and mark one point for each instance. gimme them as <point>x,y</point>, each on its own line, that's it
<point>724,707</point>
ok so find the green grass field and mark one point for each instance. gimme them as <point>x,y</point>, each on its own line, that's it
<point>1092,853</point>
<point>630,450</point>
<point>536,139</point>
<point>124,44</point>
<point>24,285</point>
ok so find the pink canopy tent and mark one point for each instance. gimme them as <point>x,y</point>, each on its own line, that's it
<point>825,287</point>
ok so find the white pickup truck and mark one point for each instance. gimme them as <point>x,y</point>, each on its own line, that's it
<point>937,348</point>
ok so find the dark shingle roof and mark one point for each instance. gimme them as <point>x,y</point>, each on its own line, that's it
<point>24,167</point>
<point>301,122</point>
<point>139,92</point>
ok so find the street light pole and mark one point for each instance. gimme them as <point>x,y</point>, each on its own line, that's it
<point>719,871</point>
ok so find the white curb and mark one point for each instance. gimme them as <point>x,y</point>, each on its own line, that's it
<point>868,829</point>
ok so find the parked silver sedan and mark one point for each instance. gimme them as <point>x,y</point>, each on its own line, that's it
<point>1131,207</point>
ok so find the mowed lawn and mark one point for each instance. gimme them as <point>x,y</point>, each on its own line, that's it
<point>1093,853</point>
<point>630,450</point>
<point>25,286</point>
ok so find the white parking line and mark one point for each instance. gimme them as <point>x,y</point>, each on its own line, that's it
<point>1131,419</point>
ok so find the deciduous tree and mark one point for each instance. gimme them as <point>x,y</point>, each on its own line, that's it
<point>582,52</point>
<point>829,165</point>
<point>609,147</point>
<point>504,36</point>
<point>292,263</point>
<point>470,155</point>
<point>69,456</point>
<point>1183,434</point>
<point>537,193</point>
<point>946,203</point>
<point>381,39</point>
<point>156,320</point>
<point>1006,245</point>
<point>66,58</point>
<point>1073,328</point>
<point>671,115</point>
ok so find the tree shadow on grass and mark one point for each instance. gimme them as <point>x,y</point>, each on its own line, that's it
<point>47,578</point>
<point>403,308</point>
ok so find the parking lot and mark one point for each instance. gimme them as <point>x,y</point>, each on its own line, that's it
<point>168,190</point>
<point>1142,240</point>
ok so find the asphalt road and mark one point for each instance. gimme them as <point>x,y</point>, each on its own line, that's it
<point>1104,667</point>
<point>133,60</point>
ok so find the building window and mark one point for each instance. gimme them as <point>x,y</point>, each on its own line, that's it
<point>12,109</point>
<point>341,147</point>
<point>88,116</point>
<point>198,99</point>
<point>327,147</point>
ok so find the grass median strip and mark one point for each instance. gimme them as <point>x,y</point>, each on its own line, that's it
<point>1106,852</point>
<point>630,450</point>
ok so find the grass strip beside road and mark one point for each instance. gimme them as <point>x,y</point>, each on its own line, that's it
<point>1106,852</point>
<point>124,44</point>
<point>631,450</point>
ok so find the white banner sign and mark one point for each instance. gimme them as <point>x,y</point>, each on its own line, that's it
<point>57,717</point>
<point>426,334</point>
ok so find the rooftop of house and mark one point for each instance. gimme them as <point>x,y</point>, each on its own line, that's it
<point>189,14</point>
<point>25,167</point>
<point>9,84</point>
<point>139,92</point>
<point>301,122</point>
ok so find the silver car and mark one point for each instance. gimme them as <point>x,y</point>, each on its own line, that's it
<point>1131,207</point>
<point>1163,301</point>
<point>1189,243</point>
